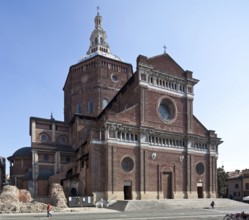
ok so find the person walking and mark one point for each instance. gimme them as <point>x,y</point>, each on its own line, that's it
<point>49,209</point>
<point>212,204</point>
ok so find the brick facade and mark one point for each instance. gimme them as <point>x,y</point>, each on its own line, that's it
<point>185,152</point>
<point>130,135</point>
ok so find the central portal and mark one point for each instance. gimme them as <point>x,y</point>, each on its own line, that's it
<point>127,190</point>
<point>199,190</point>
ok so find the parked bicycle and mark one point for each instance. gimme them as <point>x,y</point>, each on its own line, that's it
<point>237,216</point>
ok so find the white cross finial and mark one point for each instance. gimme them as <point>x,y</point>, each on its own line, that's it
<point>164,47</point>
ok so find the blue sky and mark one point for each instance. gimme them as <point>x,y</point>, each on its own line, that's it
<point>41,39</point>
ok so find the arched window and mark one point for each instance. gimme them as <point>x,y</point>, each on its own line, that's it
<point>105,103</point>
<point>69,173</point>
<point>96,40</point>
<point>90,106</point>
<point>132,137</point>
<point>151,80</point>
<point>135,137</point>
<point>101,41</point>
<point>74,192</point>
<point>78,108</point>
<point>163,141</point>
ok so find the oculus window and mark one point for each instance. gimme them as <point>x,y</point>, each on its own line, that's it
<point>166,110</point>
<point>200,169</point>
<point>114,78</point>
<point>44,138</point>
<point>62,140</point>
<point>127,164</point>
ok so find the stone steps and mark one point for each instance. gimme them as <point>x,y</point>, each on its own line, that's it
<point>139,205</point>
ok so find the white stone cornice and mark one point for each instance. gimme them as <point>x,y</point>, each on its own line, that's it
<point>166,90</point>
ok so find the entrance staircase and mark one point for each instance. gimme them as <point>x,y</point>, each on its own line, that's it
<point>140,205</point>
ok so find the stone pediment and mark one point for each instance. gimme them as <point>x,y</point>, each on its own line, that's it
<point>164,63</point>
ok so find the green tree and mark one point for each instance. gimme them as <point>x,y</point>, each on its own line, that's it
<point>222,182</point>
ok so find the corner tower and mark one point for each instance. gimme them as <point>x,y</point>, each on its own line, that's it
<point>96,78</point>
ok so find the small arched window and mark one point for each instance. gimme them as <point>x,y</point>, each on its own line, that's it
<point>135,137</point>
<point>90,107</point>
<point>105,103</point>
<point>132,137</point>
<point>101,41</point>
<point>151,80</point>
<point>69,173</point>
<point>96,40</point>
<point>78,108</point>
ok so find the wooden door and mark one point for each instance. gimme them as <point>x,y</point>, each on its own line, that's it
<point>167,185</point>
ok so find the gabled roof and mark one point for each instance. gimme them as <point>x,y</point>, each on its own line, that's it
<point>165,63</point>
<point>234,174</point>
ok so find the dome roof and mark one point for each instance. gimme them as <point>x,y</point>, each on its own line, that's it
<point>108,55</point>
<point>23,152</point>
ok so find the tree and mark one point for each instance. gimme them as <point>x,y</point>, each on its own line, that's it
<point>222,182</point>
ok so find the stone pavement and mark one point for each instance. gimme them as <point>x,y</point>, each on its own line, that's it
<point>140,205</point>
<point>88,210</point>
<point>160,205</point>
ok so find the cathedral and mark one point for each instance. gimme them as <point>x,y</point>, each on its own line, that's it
<point>126,135</point>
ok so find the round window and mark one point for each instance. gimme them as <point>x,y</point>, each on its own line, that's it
<point>44,138</point>
<point>200,169</point>
<point>62,140</point>
<point>164,111</point>
<point>114,78</point>
<point>46,157</point>
<point>127,164</point>
<point>167,110</point>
